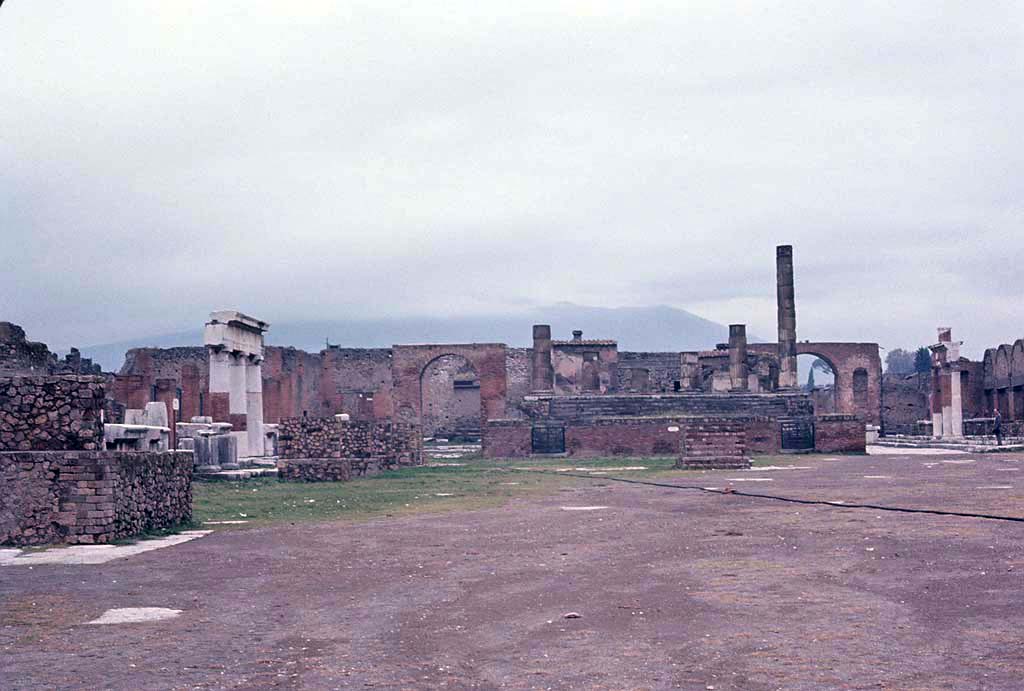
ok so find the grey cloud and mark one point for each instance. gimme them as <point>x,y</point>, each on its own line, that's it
<point>328,159</point>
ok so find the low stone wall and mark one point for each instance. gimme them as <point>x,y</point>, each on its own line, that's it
<point>839,434</point>
<point>314,469</point>
<point>51,413</point>
<point>312,449</point>
<point>90,497</point>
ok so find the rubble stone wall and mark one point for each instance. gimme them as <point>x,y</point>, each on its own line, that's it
<point>312,449</point>
<point>51,413</point>
<point>87,497</point>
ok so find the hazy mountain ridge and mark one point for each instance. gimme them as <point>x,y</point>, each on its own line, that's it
<point>657,328</point>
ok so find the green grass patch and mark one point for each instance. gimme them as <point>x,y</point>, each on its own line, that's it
<point>463,484</point>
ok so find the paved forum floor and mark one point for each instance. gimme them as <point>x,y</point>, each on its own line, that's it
<point>676,590</point>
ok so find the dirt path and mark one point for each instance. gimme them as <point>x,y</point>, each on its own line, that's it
<point>676,590</point>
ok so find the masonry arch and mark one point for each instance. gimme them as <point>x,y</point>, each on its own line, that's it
<point>819,385</point>
<point>852,363</point>
<point>410,364</point>
<point>450,398</point>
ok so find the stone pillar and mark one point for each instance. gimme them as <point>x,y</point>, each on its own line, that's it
<point>220,375</point>
<point>254,405</point>
<point>787,317</point>
<point>947,398</point>
<point>543,377</point>
<point>738,356</point>
<point>237,378</point>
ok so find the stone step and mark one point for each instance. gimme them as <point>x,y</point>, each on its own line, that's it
<point>236,475</point>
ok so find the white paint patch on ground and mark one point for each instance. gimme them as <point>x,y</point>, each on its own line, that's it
<point>224,522</point>
<point>878,477</point>
<point>93,554</point>
<point>909,451</point>
<point>781,467</point>
<point>832,458</point>
<point>961,462</point>
<point>621,467</point>
<point>443,465</point>
<point>510,483</point>
<point>996,487</point>
<point>750,479</point>
<point>443,494</point>
<point>1011,470</point>
<point>135,615</point>
<point>597,472</point>
<point>583,508</point>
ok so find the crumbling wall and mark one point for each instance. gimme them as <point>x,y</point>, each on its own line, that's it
<point>357,381</point>
<point>19,356</point>
<point>584,366</point>
<point>451,398</point>
<point>312,448</point>
<point>519,374</point>
<point>649,372</point>
<point>44,413</point>
<point>905,402</point>
<point>90,497</point>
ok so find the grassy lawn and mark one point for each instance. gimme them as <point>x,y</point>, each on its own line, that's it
<point>469,484</point>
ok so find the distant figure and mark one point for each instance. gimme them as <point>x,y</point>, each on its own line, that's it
<point>999,429</point>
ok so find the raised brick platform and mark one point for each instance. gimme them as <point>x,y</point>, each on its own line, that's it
<point>714,442</point>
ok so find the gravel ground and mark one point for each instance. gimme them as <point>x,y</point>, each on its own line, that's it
<point>675,589</point>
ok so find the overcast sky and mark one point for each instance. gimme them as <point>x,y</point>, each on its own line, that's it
<point>315,160</point>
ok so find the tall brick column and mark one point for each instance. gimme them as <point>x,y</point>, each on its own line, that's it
<point>543,377</point>
<point>738,356</point>
<point>787,317</point>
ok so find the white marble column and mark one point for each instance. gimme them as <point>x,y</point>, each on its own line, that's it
<point>254,405</point>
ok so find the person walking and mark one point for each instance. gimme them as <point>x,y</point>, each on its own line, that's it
<point>998,428</point>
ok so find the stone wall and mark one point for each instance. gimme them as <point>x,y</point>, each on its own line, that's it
<point>88,497</point>
<point>839,434</point>
<point>326,448</point>
<point>519,373</point>
<point>905,402</point>
<point>51,413</point>
<point>22,357</point>
<point>649,372</point>
<point>451,398</point>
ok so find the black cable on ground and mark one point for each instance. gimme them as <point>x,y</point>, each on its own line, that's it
<point>774,497</point>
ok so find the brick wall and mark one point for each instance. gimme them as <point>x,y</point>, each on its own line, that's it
<point>713,442</point>
<point>626,436</point>
<point>326,448</point>
<point>90,497</point>
<point>839,434</point>
<point>51,413</point>
<point>905,401</point>
<point>507,438</point>
<point>621,436</point>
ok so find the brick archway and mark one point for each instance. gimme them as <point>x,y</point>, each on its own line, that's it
<point>410,361</point>
<point>852,361</point>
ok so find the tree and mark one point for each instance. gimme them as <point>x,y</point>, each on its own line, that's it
<point>922,360</point>
<point>900,361</point>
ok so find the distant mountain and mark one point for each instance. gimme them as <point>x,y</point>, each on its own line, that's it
<point>656,328</point>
